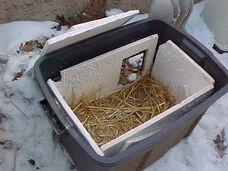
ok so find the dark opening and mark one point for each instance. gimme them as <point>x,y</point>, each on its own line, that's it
<point>131,68</point>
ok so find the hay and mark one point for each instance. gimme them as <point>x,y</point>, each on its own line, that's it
<point>106,118</point>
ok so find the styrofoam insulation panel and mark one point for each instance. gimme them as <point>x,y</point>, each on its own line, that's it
<point>85,30</point>
<point>175,69</point>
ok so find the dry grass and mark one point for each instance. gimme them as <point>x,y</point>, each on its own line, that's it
<point>106,118</point>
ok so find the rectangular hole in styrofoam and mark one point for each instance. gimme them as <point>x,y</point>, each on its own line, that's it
<point>131,68</point>
<point>171,69</point>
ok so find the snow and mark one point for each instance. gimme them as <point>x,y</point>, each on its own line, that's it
<point>136,60</point>
<point>113,11</point>
<point>132,77</point>
<point>33,133</point>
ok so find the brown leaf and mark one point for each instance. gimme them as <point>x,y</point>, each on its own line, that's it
<point>28,46</point>
<point>219,142</point>
<point>18,75</point>
<point>33,44</point>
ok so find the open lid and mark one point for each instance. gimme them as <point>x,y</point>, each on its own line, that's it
<point>86,30</point>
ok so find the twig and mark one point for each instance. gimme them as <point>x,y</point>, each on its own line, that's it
<point>23,113</point>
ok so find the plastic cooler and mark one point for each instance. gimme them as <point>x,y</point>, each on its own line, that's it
<point>181,121</point>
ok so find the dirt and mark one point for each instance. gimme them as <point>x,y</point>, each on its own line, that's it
<point>93,11</point>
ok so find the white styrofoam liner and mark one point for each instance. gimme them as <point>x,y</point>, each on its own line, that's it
<point>111,61</point>
<point>85,30</point>
<point>75,119</point>
<point>104,70</point>
<point>184,90</point>
<point>175,69</point>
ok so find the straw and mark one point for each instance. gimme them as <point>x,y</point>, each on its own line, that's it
<point>108,117</point>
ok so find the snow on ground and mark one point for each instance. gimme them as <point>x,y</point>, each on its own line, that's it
<point>12,34</point>
<point>31,133</point>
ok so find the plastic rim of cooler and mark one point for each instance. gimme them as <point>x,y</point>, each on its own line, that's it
<point>152,148</point>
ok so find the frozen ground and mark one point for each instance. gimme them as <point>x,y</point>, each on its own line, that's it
<point>28,129</point>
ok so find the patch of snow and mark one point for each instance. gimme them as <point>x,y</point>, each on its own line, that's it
<point>20,62</point>
<point>198,29</point>
<point>27,88</point>
<point>113,11</point>
<point>32,133</point>
<point>132,77</point>
<point>136,60</point>
<point>14,33</point>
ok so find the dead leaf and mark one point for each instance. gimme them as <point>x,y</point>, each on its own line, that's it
<point>33,44</point>
<point>18,75</point>
<point>28,46</point>
<point>219,142</point>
